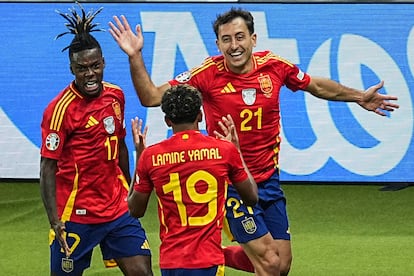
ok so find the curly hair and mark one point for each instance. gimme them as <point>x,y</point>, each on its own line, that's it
<point>181,104</point>
<point>81,26</point>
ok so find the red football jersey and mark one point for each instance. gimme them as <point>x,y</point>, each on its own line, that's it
<point>189,172</point>
<point>252,99</point>
<point>83,134</point>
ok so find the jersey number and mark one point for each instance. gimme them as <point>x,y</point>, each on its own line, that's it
<point>235,204</point>
<point>75,243</point>
<point>111,144</point>
<point>209,196</point>
<point>248,116</point>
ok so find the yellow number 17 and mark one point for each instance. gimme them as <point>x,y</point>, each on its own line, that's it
<point>111,144</point>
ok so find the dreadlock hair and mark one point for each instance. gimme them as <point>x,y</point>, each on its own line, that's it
<point>81,26</point>
<point>181,104</point>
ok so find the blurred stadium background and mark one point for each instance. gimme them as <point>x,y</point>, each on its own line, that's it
<point>335,157</point>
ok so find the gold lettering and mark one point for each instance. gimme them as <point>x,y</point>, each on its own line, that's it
<point>190,154</point>
<point>175,157</point>
<point>215,153</point>
<point>204,154</point>
<point>168,158</point>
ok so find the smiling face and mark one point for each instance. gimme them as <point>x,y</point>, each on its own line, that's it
<point>87,66</point>
<point>236,44</point>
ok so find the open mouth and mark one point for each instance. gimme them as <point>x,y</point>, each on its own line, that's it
<point>91,87</point>
<point>236,54</point>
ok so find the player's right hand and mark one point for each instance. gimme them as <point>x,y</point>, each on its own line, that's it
<point>138,135</point>
<point>127,40</point>
<point>59,228</point>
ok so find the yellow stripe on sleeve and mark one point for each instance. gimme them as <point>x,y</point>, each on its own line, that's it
<point>60,110</point>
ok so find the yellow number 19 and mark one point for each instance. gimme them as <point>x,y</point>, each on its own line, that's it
<point>209,197</point>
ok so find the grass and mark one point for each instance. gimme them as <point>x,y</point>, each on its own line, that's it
<point>336,230</point>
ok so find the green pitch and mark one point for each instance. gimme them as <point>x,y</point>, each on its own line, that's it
<point>336,230</point>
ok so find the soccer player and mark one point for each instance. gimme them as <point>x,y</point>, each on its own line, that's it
<point>189,173</point>
<point>246,85</point>
<point>84,170</point>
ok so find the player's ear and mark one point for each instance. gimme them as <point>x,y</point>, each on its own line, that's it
<point>254,39</point>
<point>71,69</point>
<point>200,117</point>
<point>167,121</point>
<point>103,61</point>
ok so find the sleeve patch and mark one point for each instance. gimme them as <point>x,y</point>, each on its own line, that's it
<point>300,75</point>
<point>183,77</point>
<point>52,141</point>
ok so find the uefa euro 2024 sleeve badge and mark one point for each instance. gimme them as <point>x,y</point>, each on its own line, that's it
<point>52,141</point>
<point>183,77</point>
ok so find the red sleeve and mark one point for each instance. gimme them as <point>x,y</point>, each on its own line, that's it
<point>143,182</point>
<point>194,77</point>
<point>53,128</point>
<point>237,172</point>
<point>295,78</point>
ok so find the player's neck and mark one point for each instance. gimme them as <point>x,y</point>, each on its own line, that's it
<point>185,127</point>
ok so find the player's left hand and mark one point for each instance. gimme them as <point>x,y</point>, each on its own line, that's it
<point>372,100</point>
<point>229,131</point>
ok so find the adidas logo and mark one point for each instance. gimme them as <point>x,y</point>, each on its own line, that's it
<point>228,88</point>
<point>91,122</point>
<point>145,245</point>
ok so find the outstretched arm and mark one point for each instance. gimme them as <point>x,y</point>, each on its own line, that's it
<point>132,44</point>
<point>369,99</point>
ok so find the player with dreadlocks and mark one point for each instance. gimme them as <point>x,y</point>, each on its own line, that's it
<point>84,170</point>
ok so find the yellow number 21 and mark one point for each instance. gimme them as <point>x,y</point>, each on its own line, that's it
<point>248,119</point>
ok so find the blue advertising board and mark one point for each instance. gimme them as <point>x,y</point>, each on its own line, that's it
<point>355,44</point>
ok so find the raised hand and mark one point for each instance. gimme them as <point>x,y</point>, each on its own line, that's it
<point>229,131</point>
<point>127,40</point>
<point>139,136</point>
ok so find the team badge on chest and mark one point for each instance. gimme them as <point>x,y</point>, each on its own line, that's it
<point>109,124</point>
<point>249,96</point>
<point>266,85</point>
<point>117,109</point>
